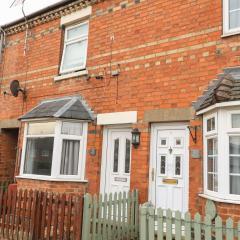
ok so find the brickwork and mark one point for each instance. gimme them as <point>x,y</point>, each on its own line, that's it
<point>167,52</point>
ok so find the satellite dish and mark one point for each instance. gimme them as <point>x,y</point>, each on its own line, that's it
<point>15,88</point>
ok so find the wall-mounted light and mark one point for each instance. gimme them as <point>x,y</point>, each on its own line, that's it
<point>136,137</point>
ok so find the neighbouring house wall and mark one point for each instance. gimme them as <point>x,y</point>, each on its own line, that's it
<point>168,54</point>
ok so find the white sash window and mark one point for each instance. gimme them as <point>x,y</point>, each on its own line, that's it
<point>75,48</point>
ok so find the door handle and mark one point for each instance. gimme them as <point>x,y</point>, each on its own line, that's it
<point>153,174</point>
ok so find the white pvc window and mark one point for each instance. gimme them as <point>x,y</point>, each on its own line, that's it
<point>222,154</point>
<point>231,16</point>
<point>54,150</point>
<point>75,48</point>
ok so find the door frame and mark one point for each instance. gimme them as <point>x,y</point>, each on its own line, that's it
<point>153,162</point>
<point>105,139</point>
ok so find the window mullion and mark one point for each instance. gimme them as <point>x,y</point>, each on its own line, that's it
<point>56,160</point>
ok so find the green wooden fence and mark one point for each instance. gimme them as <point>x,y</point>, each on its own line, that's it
<point>159,224</point>
<point>109,217</point>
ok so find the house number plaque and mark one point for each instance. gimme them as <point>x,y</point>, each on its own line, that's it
<point>119,179</point>
<point>170,181</point>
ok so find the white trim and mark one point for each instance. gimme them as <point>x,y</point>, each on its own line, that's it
<point>218,199</point>
<point>44,178</point>
<point>117,118</point>
<point>70,75</point>
<point>226,30</point>
<point>152,165</point>
<point>76,16</point>
<point>218,105</point>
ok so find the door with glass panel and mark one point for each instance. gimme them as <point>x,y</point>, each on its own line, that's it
<point>118,160</point>
<point>170,167</point>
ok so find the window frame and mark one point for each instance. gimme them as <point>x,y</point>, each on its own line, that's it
<point>226,28</point>
<point>56,155</point>
<point>74,40</point>
<point>223,133</point>
<point>209,135</point>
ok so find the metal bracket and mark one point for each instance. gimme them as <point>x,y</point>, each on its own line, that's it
<point>193,135</point>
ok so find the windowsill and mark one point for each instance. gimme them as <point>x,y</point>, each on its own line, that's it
<point>70,75</point>
<point>42,178</point>
<point>218,199</point>
<point>229,34</point>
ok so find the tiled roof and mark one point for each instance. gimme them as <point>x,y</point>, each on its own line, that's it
<point>225,88</point>
<point>68,107</point>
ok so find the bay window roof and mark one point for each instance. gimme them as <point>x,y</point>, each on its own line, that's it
<point>66,108</point>
<point>226,88</point>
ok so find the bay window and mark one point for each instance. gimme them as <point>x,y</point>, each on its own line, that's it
<point>222,154</point>
<point>54,150</point>
<point>231,16</point>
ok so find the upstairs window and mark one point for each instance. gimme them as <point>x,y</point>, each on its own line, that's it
<point>231,16</point>
<point>75,48</point>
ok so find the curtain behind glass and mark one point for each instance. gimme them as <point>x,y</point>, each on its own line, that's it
<point>70,157</point>
<point>38,156</point>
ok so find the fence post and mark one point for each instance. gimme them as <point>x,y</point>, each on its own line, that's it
<point>143,223</point>
<point>86,217</point>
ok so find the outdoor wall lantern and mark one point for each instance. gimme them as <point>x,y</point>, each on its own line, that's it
<point>135,137</point>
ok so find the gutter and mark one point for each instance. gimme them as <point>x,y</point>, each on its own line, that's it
<point>37,13</point>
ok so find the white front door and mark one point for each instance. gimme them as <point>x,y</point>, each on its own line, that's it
<point>169,167</point>
<point>116,162</point>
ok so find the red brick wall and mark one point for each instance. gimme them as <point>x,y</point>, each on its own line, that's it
<point>168,54</point>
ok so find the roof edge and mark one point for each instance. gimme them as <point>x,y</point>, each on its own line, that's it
<point>48,14</point>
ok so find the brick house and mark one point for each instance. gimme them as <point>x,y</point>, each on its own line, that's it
<point>167,72</point>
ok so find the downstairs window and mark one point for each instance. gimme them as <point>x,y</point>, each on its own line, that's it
<point>54,150</point>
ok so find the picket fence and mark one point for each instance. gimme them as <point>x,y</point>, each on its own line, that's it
<point>110,217</point>
<point>160,224</point>
<point>35,215</point>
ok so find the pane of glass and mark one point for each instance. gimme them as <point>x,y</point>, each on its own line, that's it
<point>210,146</point>
<point>235,185</point>
<point>234,4</point>
<point>178,142</point>
<point>235,164</point>
<point>210,181</point>
<point>69,128</point>
<point>38,156</point>
<point>234,147</point>
<point>41,128</point>
<point>210,164</point>
<point>234,19</point>
<point>77,32</point>
<point>236,121</point>
<point>127,156</point>
<point>70,157</point>
<point>163,165</point>
<point>75,55</point>
<point>116,155</point>
<point>163,142</point>
<point>211,124</point>
<point>178,165</point>
<point>215,182</point>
